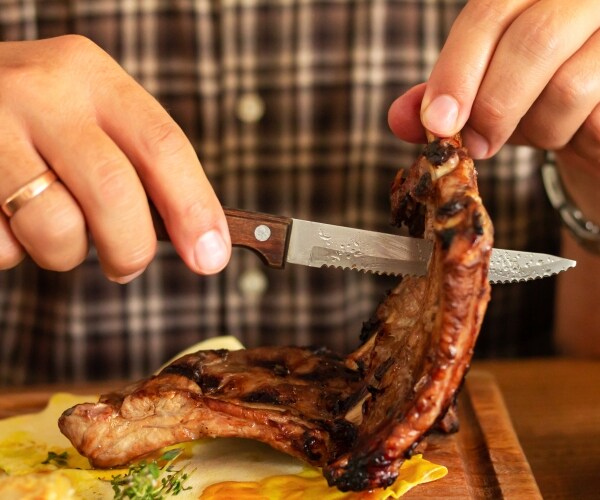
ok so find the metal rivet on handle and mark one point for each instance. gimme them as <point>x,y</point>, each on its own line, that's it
<point>262,232</point>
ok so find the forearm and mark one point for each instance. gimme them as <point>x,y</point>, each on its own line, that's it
<point>577,311</point>
<point>577,320</point>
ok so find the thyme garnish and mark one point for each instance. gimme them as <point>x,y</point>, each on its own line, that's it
<point>58,459</point>
<point>142,479</point>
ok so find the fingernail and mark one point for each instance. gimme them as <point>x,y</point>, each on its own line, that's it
<point>123,280</point>
<point>475,143</point>
<point>211,252</point>
<point>441,114</point>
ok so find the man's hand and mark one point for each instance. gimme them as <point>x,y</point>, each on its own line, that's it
<point>518,71</point>
<point>66,105</point>
<point>526,72</point>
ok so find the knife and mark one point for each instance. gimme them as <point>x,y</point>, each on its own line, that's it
<point>280,240</point>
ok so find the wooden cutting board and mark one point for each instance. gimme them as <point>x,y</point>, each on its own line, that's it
<point>484,459</point>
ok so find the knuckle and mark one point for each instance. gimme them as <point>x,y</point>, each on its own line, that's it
<point>61,239</point>
<point>488,6</point>
<point>491,109</point>
<point>10,255</point>
<point>490,114</point>
<point>74,42</point>
<point>37,72</point>
<point>202,213</point>
<point>571,90</point>
<point>131,260</point>
<point>114,179</point>
<point>487,13</point>
<point>536,36</point>
<point>165,139</point>
<point>25,76</point>
<point>74,50</point>
<point>552,144</point>
<point>129,247</point>
<point>77,52</point>
<point>551,139</point>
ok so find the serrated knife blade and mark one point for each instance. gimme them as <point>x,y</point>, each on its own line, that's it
<point>280,240</point>
<point>316,244</point>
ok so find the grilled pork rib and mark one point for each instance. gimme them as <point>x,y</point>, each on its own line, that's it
<point>356,417</point>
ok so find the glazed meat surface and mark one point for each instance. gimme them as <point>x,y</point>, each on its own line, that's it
<point>358,417</point>
<point>291,398</point>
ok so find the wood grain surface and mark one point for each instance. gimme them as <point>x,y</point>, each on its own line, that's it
<point>484,458</point>
<point>554,406</point>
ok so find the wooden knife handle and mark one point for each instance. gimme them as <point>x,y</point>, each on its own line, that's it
<point>265,234</point>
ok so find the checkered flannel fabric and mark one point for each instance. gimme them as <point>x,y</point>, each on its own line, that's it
<point>286,104</point>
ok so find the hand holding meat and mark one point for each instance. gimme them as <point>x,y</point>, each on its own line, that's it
<point>66,106</point>
<point>526,72</point>
<point>523,72</point>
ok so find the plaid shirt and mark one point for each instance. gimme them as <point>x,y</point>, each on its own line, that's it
<point>286,104</point>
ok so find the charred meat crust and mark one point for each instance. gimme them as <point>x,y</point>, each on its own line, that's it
<point>438,151</point>
<point>444,311</point>
<point>357,417</point>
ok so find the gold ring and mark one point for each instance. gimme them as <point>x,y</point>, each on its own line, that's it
<point>28,192</point>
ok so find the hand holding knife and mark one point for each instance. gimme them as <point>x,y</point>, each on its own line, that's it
<point>280,240</point>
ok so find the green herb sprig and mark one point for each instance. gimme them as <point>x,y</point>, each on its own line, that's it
<point>143,481</point>
<point>58,459</point>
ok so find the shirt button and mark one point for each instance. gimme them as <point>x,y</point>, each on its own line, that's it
<point>253,283</point>
<point>250,108</point>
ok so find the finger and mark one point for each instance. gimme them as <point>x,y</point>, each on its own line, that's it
<point>586,141</point>
<point>566,102</point>
<point>50,226</point>
<point>403,115</point>
<point>172,175</point>
<point>463,61</point>
<point>531,51</point>
<point>11,251</point>
<point>110,194</point>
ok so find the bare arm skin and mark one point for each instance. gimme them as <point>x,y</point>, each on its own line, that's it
<point>577,312</point>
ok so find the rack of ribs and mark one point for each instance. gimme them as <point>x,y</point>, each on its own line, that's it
<point>357,417</point>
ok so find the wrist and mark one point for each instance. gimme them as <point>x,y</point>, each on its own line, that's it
<point>572,186</point>
<point>577,316</point>
<point>581,179</point>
